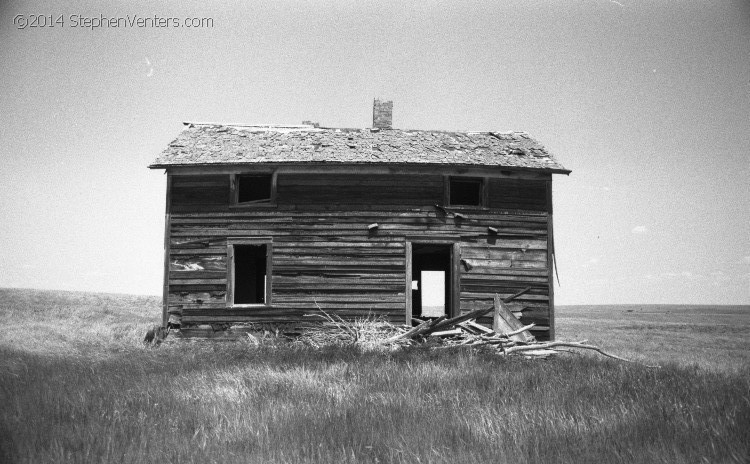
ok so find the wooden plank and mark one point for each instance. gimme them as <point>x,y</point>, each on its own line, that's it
<point>455,293</point>
<point>197,298</point>
<point>533,309</point>
<point>167,227</point>
<point>269,273</point>
<point>550,257</point>
<point>446,190</point>
<point>516,295</point>
<point>201,179</point>
<point>354,229</point>
<point>405,226</point>
<point>179,286</point>
<point>446,333</point>
<point>361,169</point>
<point>180,307</point>
<point>336,306</point>
<point>460,318</point>
<point>503,285</point>
<point>522,264</point>
<point>408,271</point>
<point>265,313</point>
<point>317,251</point>
<point>198,263</point>
<point>221,281</point>
<point>230,275</point>
<point>348,261</point>
<point>397,246</point>
<point>362,298</point>
<point>366,209</point>
<point>188,242</point>
<point>313,269</point>
<point>492,252</point>
<point>212,275</point>
<point>471,278</point>
<point>283,281</point>
<point>313,274</point>
<point>175,253</point>
<point>323,179</point>
<point>540,328</point>
<point>487,263</point>
<point>490,295</point>
<point>504,322</point>
<point>314,304</point>
<point>479,327</point>
<point>379,213</point>
<point>496,320</point>
<point>368,287</point>
<point>274,186</point>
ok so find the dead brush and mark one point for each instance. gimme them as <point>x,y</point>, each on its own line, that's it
<point>365,332</point>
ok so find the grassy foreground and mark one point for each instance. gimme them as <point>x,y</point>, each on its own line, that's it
<point>76,385</point>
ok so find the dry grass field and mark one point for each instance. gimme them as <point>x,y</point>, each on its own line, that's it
<point>76,385</point>
<point>715,338</point>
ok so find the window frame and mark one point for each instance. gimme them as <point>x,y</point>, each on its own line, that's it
<point>231,242</point>
<point>234,190</point>
<point>483,191</point>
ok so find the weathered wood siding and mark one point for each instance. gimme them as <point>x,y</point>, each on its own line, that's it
<point>525,194</point>
<point>325,256</point>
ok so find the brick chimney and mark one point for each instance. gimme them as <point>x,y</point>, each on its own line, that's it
<point>382,114</point>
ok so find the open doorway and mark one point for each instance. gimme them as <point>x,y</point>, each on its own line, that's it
<point>431,280</point>
<point>250,280</point>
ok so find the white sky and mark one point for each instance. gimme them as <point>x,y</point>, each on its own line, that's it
<point>648,102</point>
<point>433,293</point>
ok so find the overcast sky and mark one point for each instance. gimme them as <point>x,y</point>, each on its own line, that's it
<point>648,102</point>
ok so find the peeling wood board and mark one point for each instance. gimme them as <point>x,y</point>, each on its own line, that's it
<point>504,321</point>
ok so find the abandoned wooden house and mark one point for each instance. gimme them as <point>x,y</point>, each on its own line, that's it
<point>267,223</point>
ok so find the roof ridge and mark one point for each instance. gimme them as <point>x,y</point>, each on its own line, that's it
<point>305,127</point>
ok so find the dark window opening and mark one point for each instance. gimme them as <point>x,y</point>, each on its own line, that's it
<point>250,274</point>
<point>466,192</point>
<point>431,280</point>
<point>253,188</point>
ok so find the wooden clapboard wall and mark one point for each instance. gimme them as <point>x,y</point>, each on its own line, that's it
<point>325,256</point>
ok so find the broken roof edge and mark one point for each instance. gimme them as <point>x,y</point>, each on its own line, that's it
<point>319,164</point>
<point>313,128</point>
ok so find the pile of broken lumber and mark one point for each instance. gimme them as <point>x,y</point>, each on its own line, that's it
<point>508,335</point>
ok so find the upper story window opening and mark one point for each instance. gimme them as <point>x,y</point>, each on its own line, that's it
<point>466,191</point>
<point>250,189</point>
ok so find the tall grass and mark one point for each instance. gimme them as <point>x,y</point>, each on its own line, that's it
<point>76,399</point>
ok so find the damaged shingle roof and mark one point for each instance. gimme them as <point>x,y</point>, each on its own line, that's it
<point>212,144</point>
